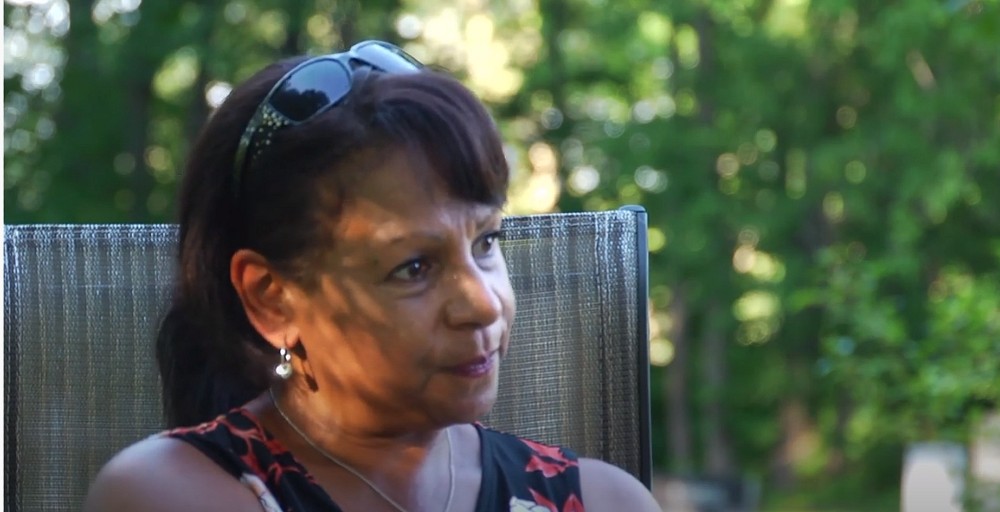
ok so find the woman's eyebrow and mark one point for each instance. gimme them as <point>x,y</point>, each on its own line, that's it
<point>487,218</point>
<point>407,237</point>
<point>482,220</point>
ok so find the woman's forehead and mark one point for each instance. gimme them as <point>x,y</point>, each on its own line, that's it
<point>396,197</point>
<point>386,222</point>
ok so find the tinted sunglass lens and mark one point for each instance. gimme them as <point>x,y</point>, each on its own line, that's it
<point>386,57</point>
<point>315,86</point>
<point>310,89</point>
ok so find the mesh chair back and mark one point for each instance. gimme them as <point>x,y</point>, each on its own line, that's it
<point>82,304</point>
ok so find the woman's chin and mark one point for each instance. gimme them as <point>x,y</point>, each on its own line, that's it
<point>471,409</point>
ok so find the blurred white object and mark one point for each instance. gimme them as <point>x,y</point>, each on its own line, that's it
<point>984,465</point>
<point>703,493</point>
<point>933,477</point>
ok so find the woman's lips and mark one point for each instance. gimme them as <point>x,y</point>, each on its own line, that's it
<point>475,368</point>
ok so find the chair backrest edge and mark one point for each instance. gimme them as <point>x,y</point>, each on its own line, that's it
<point>10,369</point>
<point>642,298</point>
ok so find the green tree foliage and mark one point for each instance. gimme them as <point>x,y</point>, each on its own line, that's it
<point>819,177</point>
<point>103,98</point>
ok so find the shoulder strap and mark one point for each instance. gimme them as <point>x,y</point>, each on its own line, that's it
<point>523,473</point>
<point>239,444</point>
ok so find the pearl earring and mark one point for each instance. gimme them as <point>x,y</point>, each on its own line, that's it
<point>284,368</point>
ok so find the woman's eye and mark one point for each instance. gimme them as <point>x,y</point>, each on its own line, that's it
<point>486,244</point>
<point>413,270</point>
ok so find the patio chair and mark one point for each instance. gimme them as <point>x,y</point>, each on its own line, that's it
<point>82,304</point>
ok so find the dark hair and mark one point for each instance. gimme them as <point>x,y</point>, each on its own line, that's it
<point>210,358</point>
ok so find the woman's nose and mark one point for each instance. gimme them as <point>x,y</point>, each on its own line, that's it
<point>475,301</point>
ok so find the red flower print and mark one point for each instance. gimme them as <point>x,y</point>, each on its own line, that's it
<point>547,459</point>
<point>201,429</point>
<point>552,452</point>
<point>549,469</point>
<point>573,504</point>
<point>276,472</point>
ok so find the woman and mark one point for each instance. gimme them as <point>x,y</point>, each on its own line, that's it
<point>343,308</point>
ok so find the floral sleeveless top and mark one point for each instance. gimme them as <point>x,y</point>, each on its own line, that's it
<point>518,475</point>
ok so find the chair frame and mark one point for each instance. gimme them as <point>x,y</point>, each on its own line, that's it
<point>11,369</point>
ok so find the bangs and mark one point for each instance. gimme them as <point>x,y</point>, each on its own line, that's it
<point>437,118</point>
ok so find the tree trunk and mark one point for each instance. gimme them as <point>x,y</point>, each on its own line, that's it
<point>791,423</point>
<point>718,448</point>
<point>838,458</point>
<point>142,55</point>
<point>676,394</point>
<point>198,109</point>
<point>345,21</point>
<point>138,95</point>
<point>293,34</point>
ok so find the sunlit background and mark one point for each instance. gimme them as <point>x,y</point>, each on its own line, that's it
<point>821,178</point>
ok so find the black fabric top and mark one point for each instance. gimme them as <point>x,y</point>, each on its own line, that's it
<point>519,475</point>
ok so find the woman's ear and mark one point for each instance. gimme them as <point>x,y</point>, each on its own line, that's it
<point>265,296</point>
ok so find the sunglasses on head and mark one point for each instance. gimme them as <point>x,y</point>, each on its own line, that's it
<point>311,88</point>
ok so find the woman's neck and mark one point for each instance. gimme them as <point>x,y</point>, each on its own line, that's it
<point>413,469</point>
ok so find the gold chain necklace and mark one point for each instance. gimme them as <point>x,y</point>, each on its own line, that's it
<point>371,485</point>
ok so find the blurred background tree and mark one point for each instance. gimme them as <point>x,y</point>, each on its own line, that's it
<point>820,177</point>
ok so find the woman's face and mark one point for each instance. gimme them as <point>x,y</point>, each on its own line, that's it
<point>414,305</point>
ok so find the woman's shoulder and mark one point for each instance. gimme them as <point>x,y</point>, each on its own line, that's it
<point>538,450</point>
<point>520,473</point>
<point>607,487</point>
<point>161,473</point>
<point>555,471</point>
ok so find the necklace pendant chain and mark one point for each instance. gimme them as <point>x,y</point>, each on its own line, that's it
<point>357,474</point>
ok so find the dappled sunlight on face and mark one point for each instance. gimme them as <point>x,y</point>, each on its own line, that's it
<point>414,305</point>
